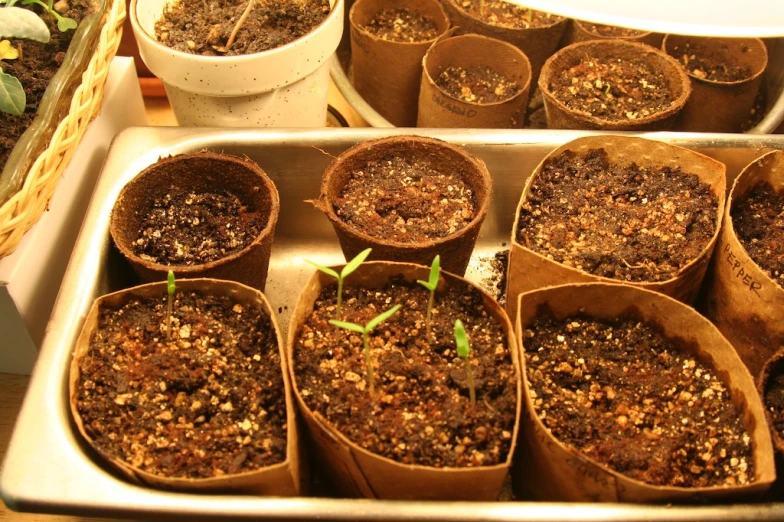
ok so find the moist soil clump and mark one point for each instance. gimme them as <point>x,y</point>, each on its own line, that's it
<point>611,31</point>
<point>623,222</point>
<point>405,200</point>
<point>758,219</point>
<point>186,228</point>
<point>702,64</point>
<point>402,25</point>
<point>204,26</point>
<point>615,90</point>
<point>480,85</point>
<point>205,403</point>
<point>623,394</point>
<point>506,14</point>
<point>422,413</point>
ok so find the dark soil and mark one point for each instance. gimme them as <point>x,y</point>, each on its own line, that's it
<point>402,25</point>
<point>204,26</point>
<point>480,85</point>
<point>494,271</point>
<point>706,65</point>
<point>422,414</point>
<point>616,90</point>
<point>184,228</point>
<point>35,67</point>
<point>208,403</point>
<point>625,395</point>
<point>623,222</point>
<point>506,14</point>
<point>774,401</point>
<point>611,31</point>
<point>758,219</point>
<point>406,200</point>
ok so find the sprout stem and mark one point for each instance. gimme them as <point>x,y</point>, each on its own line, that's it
<point>241,21</point>
<point>470,374</point>
<point>427,317</point>
<point>369,362</point>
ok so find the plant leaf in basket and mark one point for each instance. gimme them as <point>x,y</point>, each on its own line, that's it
<point>12,97</point>
<point>16,22</point>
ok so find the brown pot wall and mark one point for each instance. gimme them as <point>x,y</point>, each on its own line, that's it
<point>774,367</point>
<point>577,31</point>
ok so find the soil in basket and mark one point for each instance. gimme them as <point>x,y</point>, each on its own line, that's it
<point>610,31</point>
<point>405,200</point>
<point>623,222</point>
<point>758,219</point>
<point>625,395</point>
<point>402,25</point>
<point>701,63</point>
<point>207,403</point>
<point>186,228</point>
<point>506,14</point>
<point>204,26</point>
<point>774,402</point>
<point>422,414</point>
<point>476,84</point>
<point>34,68</point>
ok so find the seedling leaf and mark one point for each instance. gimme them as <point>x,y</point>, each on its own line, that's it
<point>381,318</point>
<point>64,23</point>
<point>17,22</point>
<point>12,95</point>
<point>347,326</point>
<point>170,285</point>
<point>7,51</point>
<point>354,263</point>
<point>432,282</point>
<point>461,340</point>
<point>324,269</point>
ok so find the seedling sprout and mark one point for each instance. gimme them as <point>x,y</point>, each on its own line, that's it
<point>464,352</point>
<point>170,289</point>
<point>239,23</point>
<point>431,284</point>
<point>347,270</point>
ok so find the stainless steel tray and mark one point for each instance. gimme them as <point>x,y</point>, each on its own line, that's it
<point>48,469</point>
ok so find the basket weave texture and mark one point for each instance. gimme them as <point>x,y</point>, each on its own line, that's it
<point>24,208</point>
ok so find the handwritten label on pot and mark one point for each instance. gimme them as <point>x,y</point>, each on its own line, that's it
<point>738,271</point>
<point>454,109</point>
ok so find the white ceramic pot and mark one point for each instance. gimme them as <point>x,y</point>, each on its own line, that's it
<point>282,87</point>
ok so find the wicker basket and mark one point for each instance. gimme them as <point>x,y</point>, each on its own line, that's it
<point>23,209</point>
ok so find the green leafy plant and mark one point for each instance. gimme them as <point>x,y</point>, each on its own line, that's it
<point>170,289</point>
<point>431,284</point>
<point>464,352</point>
<point>365,331</point>
<point>347,270</point>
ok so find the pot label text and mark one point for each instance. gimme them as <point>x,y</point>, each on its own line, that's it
<point>737,270</point>
<point>460,111</point>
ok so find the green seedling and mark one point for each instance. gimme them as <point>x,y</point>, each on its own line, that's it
<point>347,270</point>
<point>365,331</point>
<point>608,89</point>
<point>464,352</point>
<point>170,289</point>
<point>431,284</point>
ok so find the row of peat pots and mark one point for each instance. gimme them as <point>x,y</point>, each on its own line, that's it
<point>410,382</point>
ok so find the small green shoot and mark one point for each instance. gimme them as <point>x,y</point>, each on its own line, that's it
<point>464,352</point>
<point>347,270</point>
<point>608,90</point>
<point>63,22</point>
<point>170,289</point>
<point>365,331</point>
<point>431,284</point>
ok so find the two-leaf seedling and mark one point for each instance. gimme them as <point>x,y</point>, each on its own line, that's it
<point>464,352</point>
<point>344,273</point>
<point>431,284</point>
<point>170,289</point>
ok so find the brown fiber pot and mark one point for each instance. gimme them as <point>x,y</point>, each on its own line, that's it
<point>559,116</point>
<point>201,171</point>
<point>580,31</point>
<point>455,250</point>
<point>357,472</point>
<point>283,479</point>
<point>720,106</point>
<point>773,368</point>
<point>550,470</point>
<point>387,74</point>
<point>741,299</point>
<point>529,270</point>
<point>438,109</point>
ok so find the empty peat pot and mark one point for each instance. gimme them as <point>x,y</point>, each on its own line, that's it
<point>409,198</point>
<point>227,204</point>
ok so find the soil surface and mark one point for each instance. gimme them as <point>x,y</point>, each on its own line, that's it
<point>506,14</point>
<point>623,222</point>
<point>208,402</point>
<point>611,31</point>
<point>494,271</point>
<point>480,85</point>
<point>184,228</point>
<point>774,401</point>
<point>422,413</point>
<point>204,26</point>
<point>35,67</point>
<point>758,219</point>
<point>635,401</point>
<point>616,90</point>
<point>402,25</point>
<point>706,65</point>
<point>406,200</point>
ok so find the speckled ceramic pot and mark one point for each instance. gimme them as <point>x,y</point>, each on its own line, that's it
<point>286,86</point>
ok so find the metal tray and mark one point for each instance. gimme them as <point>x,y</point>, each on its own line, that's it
<point>48,468</point>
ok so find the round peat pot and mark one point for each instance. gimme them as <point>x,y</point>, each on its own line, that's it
<point>625,234</point>
<point>419,157</point>
<point>669,344</point>
<point>282,87</point>
<point>112,383</point>
<point>582,31</point>
<point>205,174</point>
<point>420,437</point>
<point>742,298</point>
<point>387,73</point>
<point>471,52</point>
<point>584,57</point>
<point>723,104</point>
<point>771,389</point>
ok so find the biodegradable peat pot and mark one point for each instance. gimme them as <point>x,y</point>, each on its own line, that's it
<point>440,157</point>
<point>562,114</point>
<point>286,86</point>
<point>200,173</point>
<point>721,103</point>
<point>438,109</point>
<point>771,389</point>
<point>744,302</point>
<point>420,392</point>
<point>387,73</point>
<point>177,377</point>
<point>530,269</point>
<point>552,470</point>
<point>583,31</point>
<point>538,43</point>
